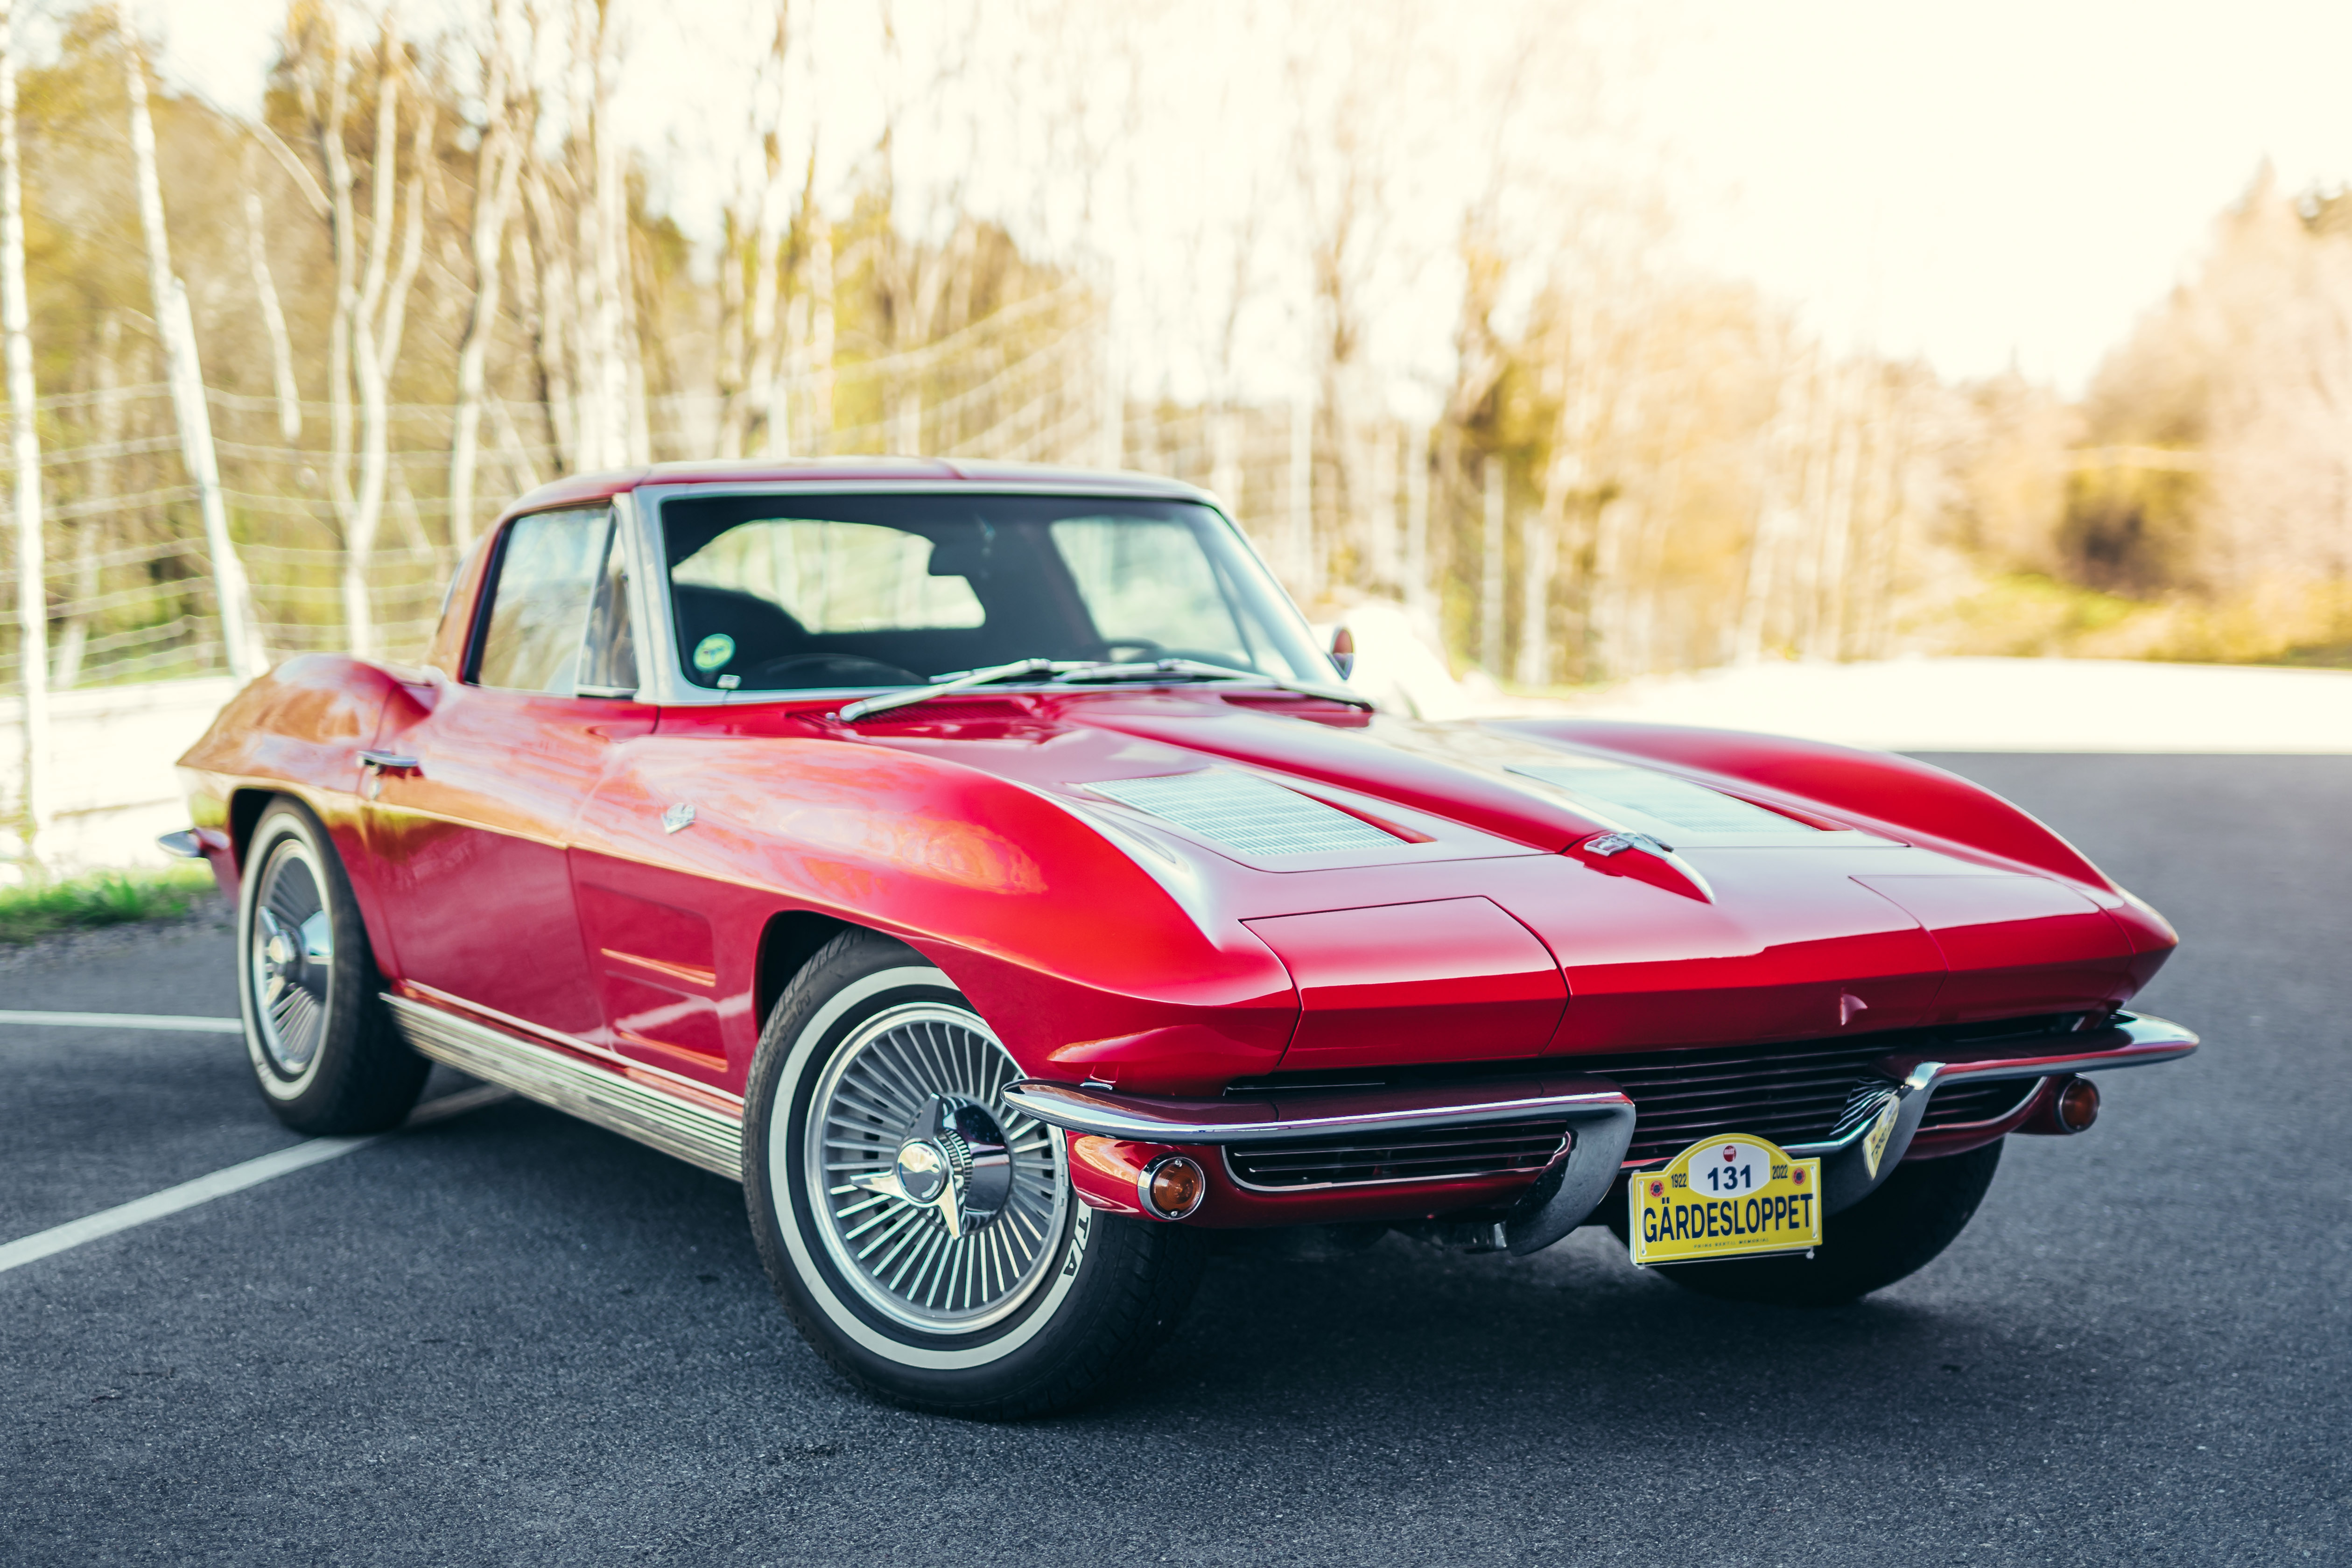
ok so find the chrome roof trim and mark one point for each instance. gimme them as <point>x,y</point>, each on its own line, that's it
<point>1109,486</point>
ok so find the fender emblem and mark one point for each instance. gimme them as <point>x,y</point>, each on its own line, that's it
<point>677,816</point>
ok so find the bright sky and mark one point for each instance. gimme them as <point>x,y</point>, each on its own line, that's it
<point>2006,177</point>
<point>2010,180</point>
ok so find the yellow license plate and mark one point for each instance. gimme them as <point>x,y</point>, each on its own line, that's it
<point>1733,1196</point>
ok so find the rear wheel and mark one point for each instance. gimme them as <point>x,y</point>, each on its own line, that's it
<point>1896,1231</point>
<point>323,1051</point>
<point>922,1234</point>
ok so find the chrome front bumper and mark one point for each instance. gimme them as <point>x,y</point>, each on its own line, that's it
<point>1850,1171</point>
<point>1600,1116</point>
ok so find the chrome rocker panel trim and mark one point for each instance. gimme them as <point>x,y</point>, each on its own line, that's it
<point>599,1095</point>
<point>1848,1174</point>
<point>1599,1119</point>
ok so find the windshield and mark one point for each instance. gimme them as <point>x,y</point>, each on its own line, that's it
<point>785,592</point>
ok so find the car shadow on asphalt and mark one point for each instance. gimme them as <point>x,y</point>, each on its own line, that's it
<point>1574,1330</point>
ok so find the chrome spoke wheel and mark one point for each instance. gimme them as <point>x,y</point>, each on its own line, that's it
<point>942,1204</point>
<point>291,957</point>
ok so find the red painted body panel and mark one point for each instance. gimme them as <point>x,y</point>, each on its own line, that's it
<point>1878,790</point>
<point>1450,979</point>
<point>470,851</point>
<point>2014,945</point>
<point>1789,936</point>
<point>527,871</point>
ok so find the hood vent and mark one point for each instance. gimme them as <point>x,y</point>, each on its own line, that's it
<point>1246,814</point>
<point>1665,803</point>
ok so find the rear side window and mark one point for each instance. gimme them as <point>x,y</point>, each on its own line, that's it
<point>551,565</point>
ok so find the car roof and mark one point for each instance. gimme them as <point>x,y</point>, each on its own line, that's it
<point>925,473</point>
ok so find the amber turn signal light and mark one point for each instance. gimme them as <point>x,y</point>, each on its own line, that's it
<point>1171,1187</point>
<point>2076,1104</point>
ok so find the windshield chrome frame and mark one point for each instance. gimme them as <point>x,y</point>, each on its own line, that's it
<point>662,677</point>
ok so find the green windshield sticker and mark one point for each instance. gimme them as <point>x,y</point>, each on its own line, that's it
<point>713,651</point>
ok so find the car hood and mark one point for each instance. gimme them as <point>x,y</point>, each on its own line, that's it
<point>1729,916</point>
<point>1467,788</point>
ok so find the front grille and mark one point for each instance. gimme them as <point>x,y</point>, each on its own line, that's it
<point>1437,1155</point>
<point>1790,1094</point>
<point>1960,1104</point>
<point>1804,1092</point>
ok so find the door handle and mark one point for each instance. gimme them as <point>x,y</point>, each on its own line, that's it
<point>389,763</point>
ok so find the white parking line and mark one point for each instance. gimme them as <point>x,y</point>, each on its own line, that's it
<point>173,1023</point>
<point>233,1179</point>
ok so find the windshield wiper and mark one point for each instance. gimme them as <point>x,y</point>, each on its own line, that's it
<point>1200,669</point>
<point>1080,671</point>
<point>851,712</point>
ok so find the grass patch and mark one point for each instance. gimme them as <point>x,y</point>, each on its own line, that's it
<point>2317,656</point>
<point>101,898</point>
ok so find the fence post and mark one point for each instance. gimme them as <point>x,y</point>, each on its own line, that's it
<point>1535,599</point>
<point>1420,592</point>
<point>1490,571</point>
<point>1113,416</point>
<point>1304,581</point>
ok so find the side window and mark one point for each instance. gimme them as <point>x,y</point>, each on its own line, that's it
<point>549,566</point>
<point>447,650</point>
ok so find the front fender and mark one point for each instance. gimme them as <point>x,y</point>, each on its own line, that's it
<point>1878,791</point>
<point>1081,959</point>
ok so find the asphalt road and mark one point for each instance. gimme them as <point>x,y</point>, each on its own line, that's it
<point>510,1338</point>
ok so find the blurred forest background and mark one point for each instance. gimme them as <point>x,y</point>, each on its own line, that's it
<point>295,363</point>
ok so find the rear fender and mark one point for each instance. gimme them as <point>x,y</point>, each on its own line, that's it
<point>297,731</point>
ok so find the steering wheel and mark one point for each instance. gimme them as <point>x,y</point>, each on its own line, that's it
<point>840,670</point>
<point>1143,648</point>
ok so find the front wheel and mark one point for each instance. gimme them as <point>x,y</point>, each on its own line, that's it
<point>1896,1231</point>
<point>923,1235</point>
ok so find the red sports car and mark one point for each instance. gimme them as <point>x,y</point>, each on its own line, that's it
<point>989,868</point>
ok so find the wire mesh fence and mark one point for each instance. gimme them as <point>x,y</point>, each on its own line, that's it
<point>130,590</point>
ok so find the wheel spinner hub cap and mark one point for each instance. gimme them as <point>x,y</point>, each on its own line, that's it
<point>292,961</point>
<point>953,1159</point>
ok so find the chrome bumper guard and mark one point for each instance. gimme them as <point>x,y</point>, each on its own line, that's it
<point>1850,1170</point>
<point>1600,1117</point>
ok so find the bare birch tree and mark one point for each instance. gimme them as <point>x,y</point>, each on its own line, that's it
<point>761,317</point>
<point>25,454</point>
<point>497,169</point>
<point>240,638</point>
<point>372,303</point>
<point>273,316</point>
